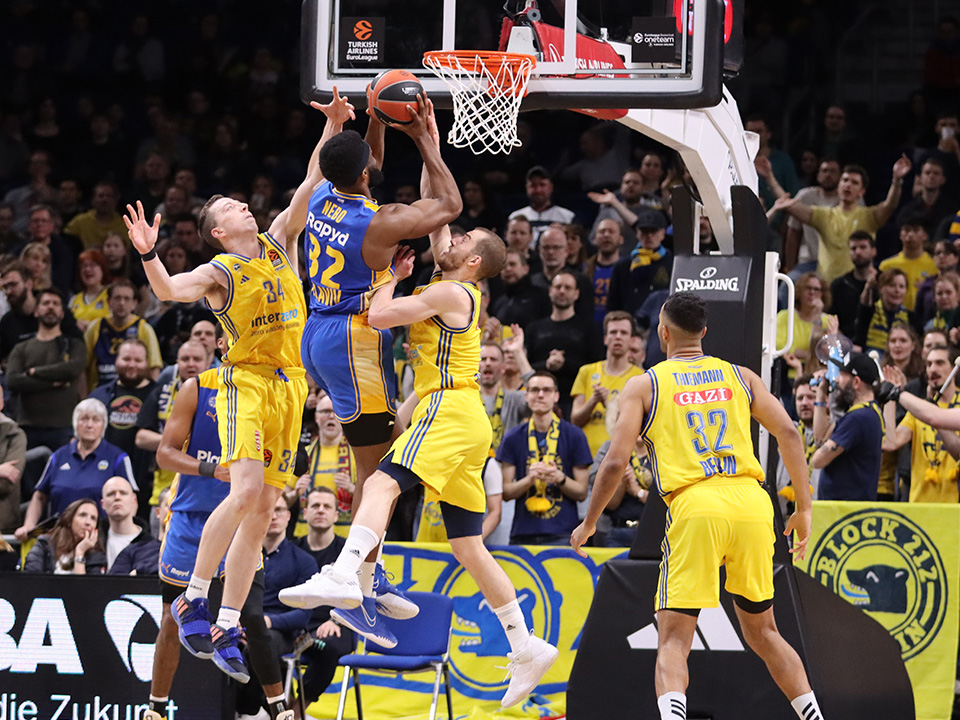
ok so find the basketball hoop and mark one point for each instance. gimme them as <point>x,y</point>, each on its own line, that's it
<point>487,89</point>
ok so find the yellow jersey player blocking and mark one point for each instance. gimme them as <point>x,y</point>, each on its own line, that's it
<point>350,245</point>
<point>253,287</point>
<point>693,413</point>
<point>444,448</point>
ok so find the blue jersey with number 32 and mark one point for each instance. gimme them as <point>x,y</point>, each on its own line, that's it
<point>341,283</point>
<point>698,426</point>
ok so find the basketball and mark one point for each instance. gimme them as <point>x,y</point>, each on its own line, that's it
<point>390,92</point>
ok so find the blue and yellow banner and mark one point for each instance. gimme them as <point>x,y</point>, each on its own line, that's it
<point>555,588</point>
<point>899,563</point>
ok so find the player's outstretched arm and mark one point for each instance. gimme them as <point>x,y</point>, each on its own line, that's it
<point>634,401</point>
<point>396,222</point>
<point>768,411</point>
<point>439,238</point>
<point>448,300</point>
<point>170,454</point>
<point>288,225</point>
<point>930,413</point>
<point>204,281</point>
<point>374,136</point>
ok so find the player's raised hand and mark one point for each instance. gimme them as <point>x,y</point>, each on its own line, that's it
<point>580,535</point>
<point>419,125</point>
<point>432,125</point>
<point>338,110</point>
<point>403,262</point>
<point>800,523</point>
<point>142,234</point>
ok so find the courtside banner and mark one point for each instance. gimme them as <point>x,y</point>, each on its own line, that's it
<point>81,648</point>
<point>899,563</point>
<point>555,588</point>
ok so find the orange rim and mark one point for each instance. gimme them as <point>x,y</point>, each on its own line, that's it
<point>476,61</point>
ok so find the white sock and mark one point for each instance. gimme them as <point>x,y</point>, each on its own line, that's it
<point>228,617</point>
<point>806,707</point>
<point>197,588</point>
<point>511,618</point>
<point>365,575</point>
<point>360,542</point>
<point>278,698</point>
<point>673,706</point>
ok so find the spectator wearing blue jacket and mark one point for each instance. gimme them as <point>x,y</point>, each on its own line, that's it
<point>79,469</point>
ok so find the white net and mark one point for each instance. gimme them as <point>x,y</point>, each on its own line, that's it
<point>487,89</point>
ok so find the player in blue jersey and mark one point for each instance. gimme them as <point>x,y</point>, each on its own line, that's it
<point>350,244</point>
<point>190,446</point>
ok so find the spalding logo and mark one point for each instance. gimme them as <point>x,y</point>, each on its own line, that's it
<point>884,563</point>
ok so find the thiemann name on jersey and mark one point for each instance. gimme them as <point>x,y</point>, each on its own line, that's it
<point>698,377</point>
<point>731,284</point>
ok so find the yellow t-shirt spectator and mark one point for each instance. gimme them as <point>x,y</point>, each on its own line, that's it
<point>933,472</point>
<point>91,310</point>
<point>917,269</point>
<point>802,331</point>
<point>593,374</point>
<point>835,227</point>
<point>325,461</point>
<point>91,231</point>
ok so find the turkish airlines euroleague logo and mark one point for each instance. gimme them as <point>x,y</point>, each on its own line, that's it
<point>702,397</point>
<point>362,30</point>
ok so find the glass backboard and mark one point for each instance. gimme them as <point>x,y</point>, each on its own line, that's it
<point>590,53</point>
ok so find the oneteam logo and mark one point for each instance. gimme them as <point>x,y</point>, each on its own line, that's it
<point>121,617</point>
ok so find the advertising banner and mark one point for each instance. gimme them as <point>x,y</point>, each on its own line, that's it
<point>79,648</point>
<point>555,588</point>
<point>900,564</point>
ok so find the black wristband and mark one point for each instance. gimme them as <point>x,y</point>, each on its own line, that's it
<point>207,468</point>
<point>150,255</point>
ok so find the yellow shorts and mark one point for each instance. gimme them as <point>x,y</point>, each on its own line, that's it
<point>259,414</point>
<point>446,446</point>
<point>723,521</point>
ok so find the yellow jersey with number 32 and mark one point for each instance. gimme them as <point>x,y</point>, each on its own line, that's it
<point>265,310</point>
<point>698,426</point>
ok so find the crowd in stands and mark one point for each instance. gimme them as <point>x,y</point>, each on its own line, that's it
<point>101,109</point>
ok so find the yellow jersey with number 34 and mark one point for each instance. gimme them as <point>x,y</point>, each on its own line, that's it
<point>265,310</point>
<point>698,426</point>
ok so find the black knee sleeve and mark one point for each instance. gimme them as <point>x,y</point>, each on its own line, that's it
<point>263,656</point>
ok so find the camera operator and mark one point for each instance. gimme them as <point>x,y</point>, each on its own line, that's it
<point>849,449</point>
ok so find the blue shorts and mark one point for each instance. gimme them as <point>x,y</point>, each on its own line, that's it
<point>352,362</point>
<point>179,550</point>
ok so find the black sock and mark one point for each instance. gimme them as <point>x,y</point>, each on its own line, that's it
<point>159,707</point>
